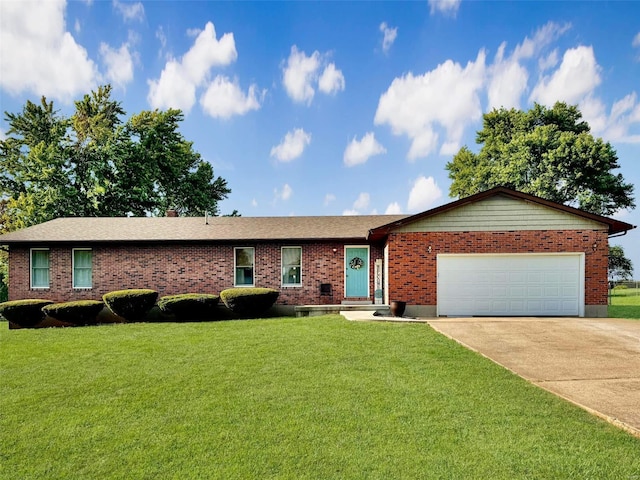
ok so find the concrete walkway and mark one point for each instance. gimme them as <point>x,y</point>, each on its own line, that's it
<point>591,362</point>
<point>594,363</point>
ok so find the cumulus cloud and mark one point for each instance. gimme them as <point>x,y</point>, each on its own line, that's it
<point>130,11</point>
<point>331,81</point>
<point>577,75</point>
<point>446,97</point>
<point>292,145</point>
<point>284,193</point>
<point>301,76</point>
<point>424,193</point>
<point>38,55</point>
<point>119,64</point>
<point>620,124</point>
<point>176,87</point>
<point>224,98</point>
<point>446,7</point>
<point>507,77</point>
<point>388,36</point>
<point>359,151</point>
<point>328,198</point>
<point>361,203</point>
<point>393,209</point>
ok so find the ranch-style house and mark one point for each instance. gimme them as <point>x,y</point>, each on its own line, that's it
<point>496,253</point>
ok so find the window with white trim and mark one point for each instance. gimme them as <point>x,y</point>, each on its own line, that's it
<point>244,266</point>
<point>39,268</point>
<point>291,266</point>
<point>82,268</point>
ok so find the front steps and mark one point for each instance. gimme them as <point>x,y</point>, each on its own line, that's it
<point>317,310</point>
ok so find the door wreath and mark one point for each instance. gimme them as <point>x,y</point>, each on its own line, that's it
<point>356,263</point>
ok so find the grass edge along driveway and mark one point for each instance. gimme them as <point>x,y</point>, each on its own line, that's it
<point>284,398</point>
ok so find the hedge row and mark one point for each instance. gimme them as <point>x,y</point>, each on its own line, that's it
<point>135,304</point>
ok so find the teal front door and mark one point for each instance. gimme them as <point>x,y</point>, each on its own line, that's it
<point>356,272</point>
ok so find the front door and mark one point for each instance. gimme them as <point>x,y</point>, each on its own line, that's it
<point>356,272</point>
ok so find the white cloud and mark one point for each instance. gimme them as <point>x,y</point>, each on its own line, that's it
<point>130,11</point>
<point>300,76</point>
<point>549,61</point>
<point>508,79</point>
<point>331,81</point>
<point>176,87</point>
<point>254,203</point>
<point>446,7</point>
<point>389,36</point>
<point>38,55</point>
<point>328,198</point>
<point>224,98</point>
<point>284,193</point>
<point>617,125</point>
<point>358,152</point>
<point>393,209</point>
<point>119,64</point>
<point>424,193</point>
<point>636,40</point>
<point>576,77</point>
<point>448,96</point>
<point>350,213</point>
<point>362,202</point>
<point>292,145</point>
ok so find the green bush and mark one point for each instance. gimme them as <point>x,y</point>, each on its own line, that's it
<point>26,313</point>
<point>82,312</point>
<point>249,301</point>
<point>132,304</point>
<point>190,306</point>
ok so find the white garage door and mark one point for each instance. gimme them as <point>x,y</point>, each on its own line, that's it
<point>511,285</point>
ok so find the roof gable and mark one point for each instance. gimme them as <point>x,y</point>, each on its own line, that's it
<point>502,209</point>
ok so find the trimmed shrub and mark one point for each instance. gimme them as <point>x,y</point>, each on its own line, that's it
<point>26,313</point>
<point>249,301</point>
<point>190,306</point>
<point>133,304</point>
<point>82,312</point>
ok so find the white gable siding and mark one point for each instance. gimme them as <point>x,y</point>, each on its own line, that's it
<point>501,213</point>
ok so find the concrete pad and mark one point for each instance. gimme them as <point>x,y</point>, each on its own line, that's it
<point>594,363</point>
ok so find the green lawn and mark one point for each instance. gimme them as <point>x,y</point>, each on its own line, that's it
<point>625,303</point>
<point>317,398</point>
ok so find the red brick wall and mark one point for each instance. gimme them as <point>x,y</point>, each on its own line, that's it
<point>412,269</point>
<point>172,269</point>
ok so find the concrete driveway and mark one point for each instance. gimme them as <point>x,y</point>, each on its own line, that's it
<point>594,363</point>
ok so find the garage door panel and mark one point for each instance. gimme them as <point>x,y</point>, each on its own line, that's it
<point>519,284</point>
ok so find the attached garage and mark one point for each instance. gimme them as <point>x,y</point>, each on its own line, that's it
<point>510,284</point>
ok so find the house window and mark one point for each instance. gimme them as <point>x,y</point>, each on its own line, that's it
<point>39,268</point>
<point>82,268</point>
<point>244,260</point>
<point>291,266</point>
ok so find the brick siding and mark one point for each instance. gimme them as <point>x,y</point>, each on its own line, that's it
<point>172,269</point>
<point>412,269</point>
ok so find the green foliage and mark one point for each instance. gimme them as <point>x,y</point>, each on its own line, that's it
<point>545,152</point>
<point>4,276</point>
<point>132,304</point>
<point>94,164</point>
<point>249,301</point>
<point>190,306</point>
<point>26,313</point>
<point>620,267</point>
<point>81,312</point>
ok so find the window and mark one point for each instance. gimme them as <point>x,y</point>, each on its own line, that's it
<point>82,268</point>
<point>291,266</point>
<point>244,266</point>
<point>39,268</point>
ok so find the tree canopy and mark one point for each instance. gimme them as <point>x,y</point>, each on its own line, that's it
<point>95,164</point>
<point>547,152</point>
<point>620,267</point>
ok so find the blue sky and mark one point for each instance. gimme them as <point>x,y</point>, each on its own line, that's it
<point>330,108</point>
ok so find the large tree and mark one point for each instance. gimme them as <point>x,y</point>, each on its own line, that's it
<point>547,152</point>
<point>95,164</point>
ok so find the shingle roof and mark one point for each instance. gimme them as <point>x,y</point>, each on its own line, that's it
<point>175,229</point>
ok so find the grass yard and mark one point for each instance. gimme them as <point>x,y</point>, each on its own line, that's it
<point>317,398</point>
<point>625,303</point>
